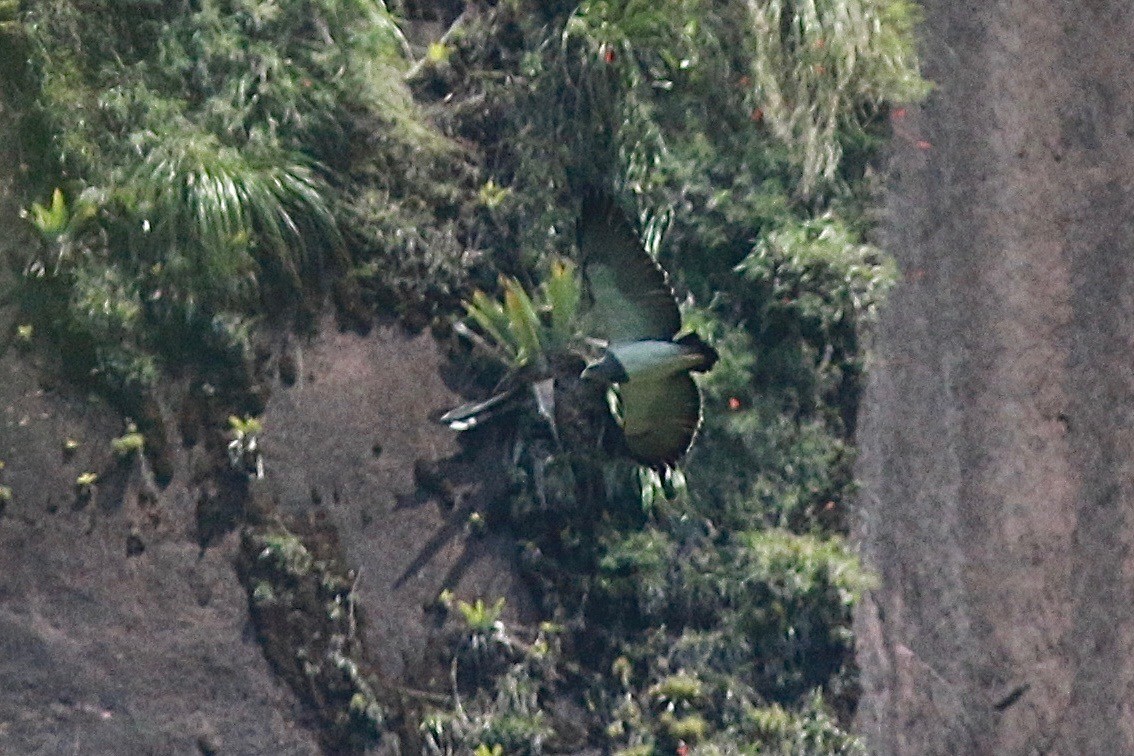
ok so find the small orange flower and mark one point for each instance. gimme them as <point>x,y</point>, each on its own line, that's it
<point>757,115</point>
<point>733,403</point>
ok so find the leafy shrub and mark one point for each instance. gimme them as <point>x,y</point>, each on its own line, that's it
<point>741,130</point>
<point>636,569</point>
<point>220,215</point>
<point>811,731</point>
<point>508,715</point>
<point>791,597</point>
<point>817,285</point>
<point>817,66</point>
<point>194,147</point>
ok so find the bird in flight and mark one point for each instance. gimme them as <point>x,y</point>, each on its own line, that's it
<point>630,309</point>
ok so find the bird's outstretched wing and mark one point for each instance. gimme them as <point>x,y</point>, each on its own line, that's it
<point>631,298</point>
<point>660,418</point>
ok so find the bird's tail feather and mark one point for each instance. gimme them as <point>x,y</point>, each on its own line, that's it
<point>473,414</point>
<point>708,354</point>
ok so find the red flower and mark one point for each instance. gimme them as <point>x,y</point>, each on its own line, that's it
<point>757,115</point>
<point>733,403</point>
<point>924,145</point>
<point>898,114</point>
<point>682,749</point>
<point>608,55</point>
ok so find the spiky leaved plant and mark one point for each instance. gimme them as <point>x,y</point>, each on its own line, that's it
<point>60,225</point>
<point>223,217</point>
<point>522,330</point>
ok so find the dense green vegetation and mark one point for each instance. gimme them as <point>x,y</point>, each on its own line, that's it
<point>222,162</point>
<point>744,133</point>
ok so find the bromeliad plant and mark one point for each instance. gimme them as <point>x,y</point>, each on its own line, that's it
<point>60,225</point>
<point>521,330</point>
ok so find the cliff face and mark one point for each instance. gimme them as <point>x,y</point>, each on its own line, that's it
<point>124,625</point>
<point>169,603</point>
<point>996,436</point>
<point>118,633</point>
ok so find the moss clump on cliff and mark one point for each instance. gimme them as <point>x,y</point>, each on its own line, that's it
<point>303,606</point>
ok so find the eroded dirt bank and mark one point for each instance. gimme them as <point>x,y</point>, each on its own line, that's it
<point>118,633</point>
<point>997,432</point>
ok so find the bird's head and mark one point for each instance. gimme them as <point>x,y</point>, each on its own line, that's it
<point>606,370</point>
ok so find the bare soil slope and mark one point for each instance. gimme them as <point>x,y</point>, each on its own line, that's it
<point>997,431</point>
<point>351,441</point>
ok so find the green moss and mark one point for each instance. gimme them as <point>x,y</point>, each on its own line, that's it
<point>678,690</point>
<point>691,728</point>
<point>128,444</point>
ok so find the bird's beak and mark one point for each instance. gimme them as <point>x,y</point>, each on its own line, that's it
<point>607,370</point>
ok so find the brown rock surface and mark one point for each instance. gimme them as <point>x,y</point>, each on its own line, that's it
<point>997,429</point>
<point>348,440</point>
<point>102,651</point>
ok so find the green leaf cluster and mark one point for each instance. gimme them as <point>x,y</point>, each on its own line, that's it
<point>207,162</point>
<point>522,329</point>
<point>742,132</point>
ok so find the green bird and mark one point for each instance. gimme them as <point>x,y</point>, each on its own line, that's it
<point>631,310</point>
<point>633,307</point>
